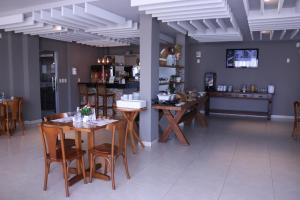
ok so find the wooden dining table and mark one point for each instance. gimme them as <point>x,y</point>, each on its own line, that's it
<point>184,113</point>
<point>90,130</point>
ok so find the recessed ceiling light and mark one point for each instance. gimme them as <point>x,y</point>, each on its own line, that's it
<point>57,28</point>
<point>267,0</point>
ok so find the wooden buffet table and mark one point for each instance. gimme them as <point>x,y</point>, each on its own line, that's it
<point>243,96</point>
<point>184,113</point>
<point>90,130</point>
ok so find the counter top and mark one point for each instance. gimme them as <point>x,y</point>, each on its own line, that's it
<point>130,84</point>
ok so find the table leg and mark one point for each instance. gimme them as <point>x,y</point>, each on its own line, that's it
<point>78,146</point>
<point>269,110</point>
<point>173,125</point>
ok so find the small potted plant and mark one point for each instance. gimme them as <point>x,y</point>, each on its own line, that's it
<point>86,112</point>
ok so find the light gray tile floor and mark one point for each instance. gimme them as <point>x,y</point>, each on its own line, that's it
<point>232,159</point>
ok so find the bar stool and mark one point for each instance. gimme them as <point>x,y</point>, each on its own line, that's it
<point>105,95</point>
<point>296,119</point>
<point>85,96</point>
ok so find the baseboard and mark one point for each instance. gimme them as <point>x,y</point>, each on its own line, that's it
<point>33,121</point>
<point>149,144</point>
<point>273,117</point>
<point>286,117</point>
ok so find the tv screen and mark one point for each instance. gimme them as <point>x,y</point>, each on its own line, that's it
<point>242,58</point>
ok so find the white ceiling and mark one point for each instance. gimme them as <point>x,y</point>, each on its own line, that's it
<point>115,22</point>
<point>274,19</point>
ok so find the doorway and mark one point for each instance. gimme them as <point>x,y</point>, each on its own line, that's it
<point>48,82</point>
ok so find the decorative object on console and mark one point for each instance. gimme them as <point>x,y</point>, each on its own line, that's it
<point>210,81</point>
<point>271,89</point>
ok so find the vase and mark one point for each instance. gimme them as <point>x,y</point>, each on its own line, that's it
<point>86,118</point>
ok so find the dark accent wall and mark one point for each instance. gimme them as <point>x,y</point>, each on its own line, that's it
<point>273,69</point>
<point>71,55</point>
<point>19,70</point>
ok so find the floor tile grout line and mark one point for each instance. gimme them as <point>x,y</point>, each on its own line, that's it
<point>229,168</point>
<point>270,162</point>
<point>178,177</point>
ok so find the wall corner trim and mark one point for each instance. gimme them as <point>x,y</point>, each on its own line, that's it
<point>150,144</point>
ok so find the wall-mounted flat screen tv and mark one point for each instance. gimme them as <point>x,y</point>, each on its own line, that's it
<point>242,58</point>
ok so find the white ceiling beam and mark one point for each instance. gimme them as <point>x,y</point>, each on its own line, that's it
<point>187,26</point>
<point>147,2</point>
<point>282,34</point>
<point>209,24</point>
<point>11,19</point>
<point>57,15</point>
<point>103,14</point>
<point>179,4</point>
<point>128,25</point>
<point>262,6</point>
<point>199,8</point>
<point>45,16</point>
<point>35,27</point>
<point>27,22</point>
<point>176,27</point>
<point>192,17</point>
<point>246,6</point>
<point>47,6</point>
<point>222,11</point>
<point>222,24</point>
<point>294,33</point>
<point>271,35</point>
<point>280,4</point>
<point>68,13</point>
<point>198,25</point>
<point>79,11</point>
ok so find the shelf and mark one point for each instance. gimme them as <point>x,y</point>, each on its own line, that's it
<point>175,66</point>
<point>171,82</point>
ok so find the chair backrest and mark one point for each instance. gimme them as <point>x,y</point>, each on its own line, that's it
<point>83,89</point>
<point>55,116</point>
<point>50,135</point>
<point>2,111</point>
<point>12,106</point>
<point>296,109</point>
<point>20,99</point>
<point>101,89</point>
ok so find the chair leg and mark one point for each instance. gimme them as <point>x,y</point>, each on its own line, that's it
<point>113,184</point>
<point>83,169</point>
<point>105,166</point>
<point>22,126</point>
<point>126,165</point>
<point>8,127</point>
<point>64,166</point>
<point>92,165</point>
<point>47,166</point>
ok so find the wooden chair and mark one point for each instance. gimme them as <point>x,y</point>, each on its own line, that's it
<point>63,155</point>
<point>105,95</point>
<point>110,152</point>
<point>85,95</point>
<point>14,114</point>
<point>296,119</point>
<point>2,118</point>
<point>68,141</point>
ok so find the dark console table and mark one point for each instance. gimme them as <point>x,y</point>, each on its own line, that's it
<point>240,95</point>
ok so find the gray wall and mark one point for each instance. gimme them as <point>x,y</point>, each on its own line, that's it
<point>71,55</point>
<point>19,71</point>
<point>273,69</point>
